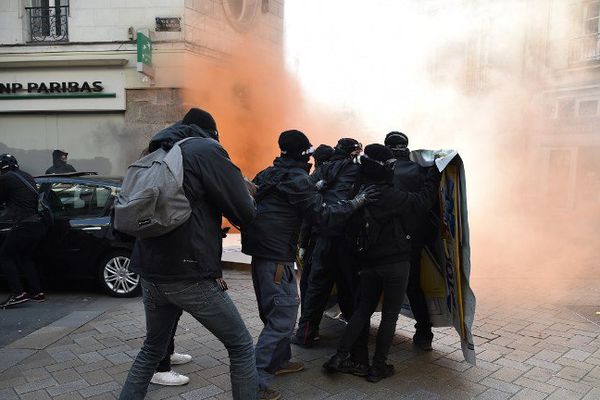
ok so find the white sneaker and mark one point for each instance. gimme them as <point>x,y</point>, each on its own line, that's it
<point>178,359</point>
<point>169,378</point>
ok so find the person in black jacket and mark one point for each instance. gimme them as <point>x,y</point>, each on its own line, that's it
<point>306,243</point>
<point>181,270</point>
<point>19,194</point>
<point>379,233</point>
<point>59,163</point>
<point>410,176</point>
<point>286,196</point>
<point>331,260</point>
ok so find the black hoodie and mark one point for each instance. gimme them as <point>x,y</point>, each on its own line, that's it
<point>215,188</point>
<point>285,196</point>
<point>58,165</point>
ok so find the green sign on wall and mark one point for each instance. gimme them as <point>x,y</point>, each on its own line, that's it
<point>144,54</point>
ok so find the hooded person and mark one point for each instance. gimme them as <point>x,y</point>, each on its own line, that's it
<point>382,248</point>
<point>322,154</point>
<point>181,270</point>
<point>286,196</point>
<point>330,260</point>
<point>410,176</point>
<point>59,163</point>
<point>19,195</point>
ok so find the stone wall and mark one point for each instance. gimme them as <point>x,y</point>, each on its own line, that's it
<point>148,111</point>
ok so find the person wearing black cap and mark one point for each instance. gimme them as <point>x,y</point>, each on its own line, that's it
<point>306,242</point>
<point>59,163</point>
<point>18,192</point>
<point>410,176</point>
<point>322,154</point>
<point>383,252</point>
<point>330,260</point>
<point>182,269</point>
<point>286,195</point>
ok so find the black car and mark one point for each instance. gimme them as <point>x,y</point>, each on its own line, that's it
<point>82,243</point>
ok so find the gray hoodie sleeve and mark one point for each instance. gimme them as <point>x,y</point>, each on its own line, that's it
<point>225,186</point>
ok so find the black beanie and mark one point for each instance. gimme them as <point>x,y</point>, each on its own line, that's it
<point>200,118</point>
<point>293,142</point>
<point>347,145</point>
<point>322,153</point>
<point>396,139</point>
<point>374,155</point>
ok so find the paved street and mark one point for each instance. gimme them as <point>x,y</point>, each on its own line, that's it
<point>533,344</point>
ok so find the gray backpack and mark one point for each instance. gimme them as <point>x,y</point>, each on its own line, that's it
<point>152,201</point>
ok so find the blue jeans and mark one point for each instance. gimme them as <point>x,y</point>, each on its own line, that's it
<point>278,301</point>
<point>213,308</point>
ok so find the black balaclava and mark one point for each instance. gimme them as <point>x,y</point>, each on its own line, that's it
<point>295,145</point>
<point>8,162</point>
<point>322,154</point>
<point>377,162</point>
<point>203,120</point>
<point>345,147</point>
<point>57,157</point>
<point>397,142</point>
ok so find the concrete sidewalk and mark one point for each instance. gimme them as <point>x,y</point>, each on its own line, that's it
<point>534,349</point>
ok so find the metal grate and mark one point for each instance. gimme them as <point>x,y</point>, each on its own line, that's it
<point>48,24</point>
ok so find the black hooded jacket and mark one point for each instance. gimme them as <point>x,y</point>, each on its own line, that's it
<point>387,221</point>
<point>21,202</point>
<point>215,188</point>
<point>410,177</point>
<point>59,166</point>
<point>285,196</point>
<point>340,175</point>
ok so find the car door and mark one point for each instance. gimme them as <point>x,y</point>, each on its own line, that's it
<point>81,224</point>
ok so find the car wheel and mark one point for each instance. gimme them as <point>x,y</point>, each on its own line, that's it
<point>115,277</point>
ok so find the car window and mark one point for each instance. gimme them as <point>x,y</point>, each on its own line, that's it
<point>75,199</point>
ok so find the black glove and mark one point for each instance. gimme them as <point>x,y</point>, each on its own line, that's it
<point>321,185</point>
<point>224,232</point>
<point>365,196</point>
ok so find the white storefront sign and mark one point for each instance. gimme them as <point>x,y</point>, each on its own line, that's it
<point>62,89</point>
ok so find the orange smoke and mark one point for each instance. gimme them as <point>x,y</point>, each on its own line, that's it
<point>253,99</point>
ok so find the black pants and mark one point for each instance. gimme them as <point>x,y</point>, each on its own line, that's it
<point>306,268</point>
<point>16,255</point>
<point>165,364</point>
<point>391,280</point>
<point>331,263</point>
<point>416,296</point>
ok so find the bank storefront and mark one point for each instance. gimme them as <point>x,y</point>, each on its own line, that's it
<point>76,108</point>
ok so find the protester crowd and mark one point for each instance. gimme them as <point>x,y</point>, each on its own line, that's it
<point>358,221</point>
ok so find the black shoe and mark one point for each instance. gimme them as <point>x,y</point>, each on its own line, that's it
<point>38,298</point>
<point>349,366</point>
<point>377,373</point>
<point>14,299</point>
<point>334,364</point>
<point>423,342</point>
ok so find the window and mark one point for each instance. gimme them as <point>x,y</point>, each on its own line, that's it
<point>585,43</point>
<point>77,200</point>
<point>587,108</point>
<point>591,17</point>
<point>241,13</point>
<point>565,108</point>
<point>48,20</point>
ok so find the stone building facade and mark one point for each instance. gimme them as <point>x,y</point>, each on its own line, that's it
<point>110,109</point>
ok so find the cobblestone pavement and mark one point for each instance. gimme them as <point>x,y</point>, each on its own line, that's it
<point>533,344</point>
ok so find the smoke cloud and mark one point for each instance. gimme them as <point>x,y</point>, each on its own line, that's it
<point>461,75</point>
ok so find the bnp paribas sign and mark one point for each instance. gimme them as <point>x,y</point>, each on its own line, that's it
<point>52,89</point>
<point>62,89</point>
